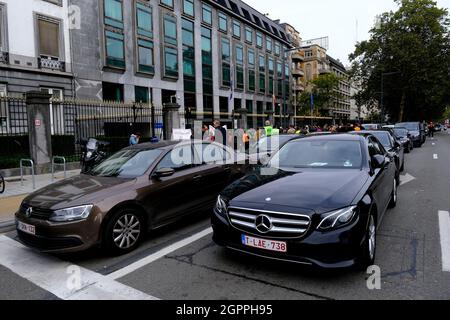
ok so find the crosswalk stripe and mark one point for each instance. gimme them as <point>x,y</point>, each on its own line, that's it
<point>444,230</point>
<point>54,275</point>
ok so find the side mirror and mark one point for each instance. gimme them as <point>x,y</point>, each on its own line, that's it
<point>163,173</point>
<point>378,161</point>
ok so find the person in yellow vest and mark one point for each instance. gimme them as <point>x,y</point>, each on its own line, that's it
<point>268,128</point>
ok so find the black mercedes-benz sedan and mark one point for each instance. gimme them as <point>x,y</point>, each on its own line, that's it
<point>317,202</point>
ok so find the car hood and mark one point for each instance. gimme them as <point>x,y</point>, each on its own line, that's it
<point>313,190</point>
<point>75,191</point>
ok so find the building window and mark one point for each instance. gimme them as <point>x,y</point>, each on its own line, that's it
<point>114,35</point>
<point>114,13</point>
<point>3,33</point>
<point>279,78</point>
<point>259,40</point>
<point>170,62</point>
<point>170,29</point>
<point>223,22</point>
<point>206,14</point>
<point>141,94</point>
<point>269,44</point>
<point>112,91</point>
<point>226,60</point>
<point>115,56</point>
<point>144,32</point>
<point>277,49</point>
<point>239,67</point>
<point>48,38</point>
<point>207,69</point>
<point>167,3</point>
<point>262,74</point>
<point>144,20</point>
<point>251,70</point>
<point>249,35</point>
<point>145,53</point>
<point>236,29</point>
<point>271,68</point>
<point>188,55</point>
<point>188,8</point>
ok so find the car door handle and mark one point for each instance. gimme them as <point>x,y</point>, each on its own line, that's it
<point>227,168</point>
<point>197,178</point>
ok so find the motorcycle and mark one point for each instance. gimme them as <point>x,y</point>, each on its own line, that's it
<point>93,152</point>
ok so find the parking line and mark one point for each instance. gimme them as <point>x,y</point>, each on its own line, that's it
<point>435,156</point>
<point>158,255</point>
<point>444,230</point>
<point>62,279</point>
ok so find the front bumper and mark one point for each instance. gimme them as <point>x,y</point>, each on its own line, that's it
<point>64,237</point>
<point>329,250</point>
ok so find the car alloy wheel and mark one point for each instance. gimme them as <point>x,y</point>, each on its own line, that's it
<point>366,257</point>
<point>126,231</point>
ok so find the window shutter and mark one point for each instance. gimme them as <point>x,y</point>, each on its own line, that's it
<point>48,38</point>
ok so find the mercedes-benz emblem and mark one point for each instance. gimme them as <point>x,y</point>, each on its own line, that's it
<point>268,199</point>
<point>29,212</point>
<point>263,224</point>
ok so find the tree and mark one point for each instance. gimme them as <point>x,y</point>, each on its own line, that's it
<point>406,62</point>
<point>324,90</point>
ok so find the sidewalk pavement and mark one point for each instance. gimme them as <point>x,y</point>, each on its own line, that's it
<point>14,193</point>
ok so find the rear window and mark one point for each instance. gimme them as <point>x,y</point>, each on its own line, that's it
<point>411,126</point>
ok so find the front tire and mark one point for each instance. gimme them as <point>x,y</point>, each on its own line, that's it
<point>368,249</point>
<point>123,232</point>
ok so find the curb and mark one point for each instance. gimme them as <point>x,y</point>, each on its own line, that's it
<point>7,226</point>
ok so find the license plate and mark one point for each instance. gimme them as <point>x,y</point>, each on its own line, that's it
<point>27,228</point>
<point>264,244</point>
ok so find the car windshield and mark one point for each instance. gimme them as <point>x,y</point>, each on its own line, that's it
<point>411,126</point>
<point>319,154</point>
<point>370,126</point>
<point>126,164</point>
<point>401,132</point>
<point>271,143</point>
<point>383,137</point>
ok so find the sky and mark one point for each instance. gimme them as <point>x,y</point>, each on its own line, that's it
<point>343,21</point>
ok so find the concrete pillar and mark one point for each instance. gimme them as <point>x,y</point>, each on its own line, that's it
<point>171,113</point>
<point>242,122</point>
<point>39,129</point>
<point>270,116</point>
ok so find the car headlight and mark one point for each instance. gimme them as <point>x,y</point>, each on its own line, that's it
<point>336,219</point>
<point>88,154</point>
<point>71,214</point>
<point>221,206</point>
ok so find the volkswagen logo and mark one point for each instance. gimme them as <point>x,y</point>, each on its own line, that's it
<point>29,212</point>
<point>263,224</point>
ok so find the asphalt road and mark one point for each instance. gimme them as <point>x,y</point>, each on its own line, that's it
<point>181,263</point>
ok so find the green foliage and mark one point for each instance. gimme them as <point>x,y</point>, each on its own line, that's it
<point>324,88</point>
<point>409,52</point>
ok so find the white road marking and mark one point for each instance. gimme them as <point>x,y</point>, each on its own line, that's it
<point>433,144</point>
<point>444,230</point>
<point>435,156</point>
<point>158,255</point>
<point>406,178</point>
<point>50,274</point>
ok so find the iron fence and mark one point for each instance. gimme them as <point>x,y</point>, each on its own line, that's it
<point>14,142</point>
<point>74,120</point>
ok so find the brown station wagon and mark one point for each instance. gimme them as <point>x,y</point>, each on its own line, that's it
<point>138,189</point>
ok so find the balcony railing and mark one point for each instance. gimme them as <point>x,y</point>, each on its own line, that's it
<point>4,57</point>
<point>323,70</point>
<point>298,57</point>
<point>52,64</point>
<point>298,72</point>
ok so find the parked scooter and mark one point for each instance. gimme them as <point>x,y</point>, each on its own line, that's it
<point>93,152</point>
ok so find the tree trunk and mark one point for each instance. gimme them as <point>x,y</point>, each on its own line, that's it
<point>402,107</point>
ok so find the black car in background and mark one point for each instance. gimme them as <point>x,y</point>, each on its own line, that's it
<point>403,136</point>
<point>416,130</point>
<point>391,144</point>
<point>318,202</point>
